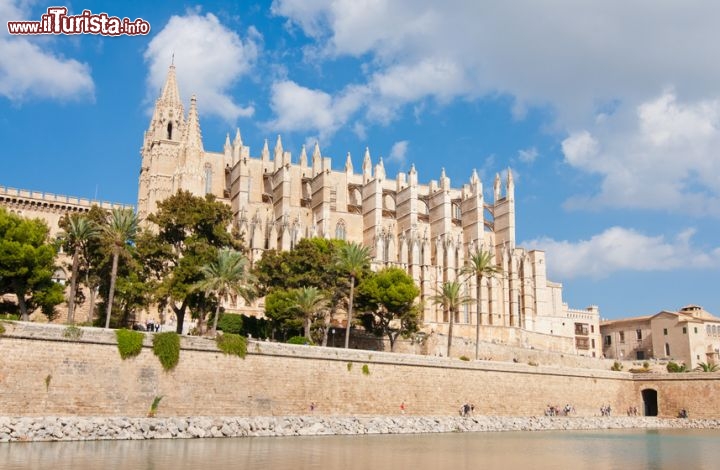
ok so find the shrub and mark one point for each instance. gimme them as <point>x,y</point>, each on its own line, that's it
<point>674,367</point>
<point>646,365</point>
<point>48,378</point>
<point>129,342</point>
<point>616,366</point>
<point>230,343</point>
<point>349,366</point>
<point>230,323</point>
<point>9,316</point>
<point>464,358</point>
<point>300,340</point>
<point>166,347</point>
<point>365,369</point>
<point>154,406</point>
<point>72,332</point>
<point>533,363</point>
<point>2,328</point>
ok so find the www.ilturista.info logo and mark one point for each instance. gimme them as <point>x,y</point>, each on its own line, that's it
<point>57,21</point>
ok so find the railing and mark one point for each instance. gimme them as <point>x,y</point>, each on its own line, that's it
<point>57,198</point>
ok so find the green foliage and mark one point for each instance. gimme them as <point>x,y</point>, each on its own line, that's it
<point>129,342</point>
<point>349,366</point>
<point>48,378</point>
<point>616,366</point>
<point>707,367</point>
<point>154,406</point>
<point>27,265</point>
<point>190,230</point>
<point>9,316</point>
<point>388,300</point>
<point>79,231</point>
<point>300,340</point>
<point>464,358</point>
<point>232,344</point>
<point>365,369</point>
<point>2,329</point>
<point>451,297</point>
<point>280,309</point>
<point>72,332</point>
<point>674,367</point>
<point>230,323</point>
<point>166,347</point>
<point>646,365</point>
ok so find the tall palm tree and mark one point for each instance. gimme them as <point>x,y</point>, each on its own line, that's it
<point>79,232</point>
<point>226,275</point>
<point>308,301</point>
<point>120,230</point>
<point>481,265</point>
<point>352,258</point>
<point>450,296</point>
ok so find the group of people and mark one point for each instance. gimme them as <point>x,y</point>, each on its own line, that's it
<point>605,410</point>
<point>632,411</point>
<point>555,410</point>
<point>467,410</point>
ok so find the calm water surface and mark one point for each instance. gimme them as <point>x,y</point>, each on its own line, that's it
<point>664,449</point>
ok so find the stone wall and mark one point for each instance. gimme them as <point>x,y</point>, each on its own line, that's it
<point>45,374</point>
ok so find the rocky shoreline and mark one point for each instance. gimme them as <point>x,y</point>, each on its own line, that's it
<point>113,428</point>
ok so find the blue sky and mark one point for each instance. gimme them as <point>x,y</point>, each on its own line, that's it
<point>607,112</point>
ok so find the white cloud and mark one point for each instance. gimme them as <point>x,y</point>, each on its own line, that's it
<point>663,156</point>
<point>622,249</point>
<point>28,70</point>
<point>578,58</point>
<point>301,109</point>
<point>398,152</point>
<point>210,58</point>
<point>528,155</point>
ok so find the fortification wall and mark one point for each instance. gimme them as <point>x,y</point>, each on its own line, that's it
<point>43,373</point>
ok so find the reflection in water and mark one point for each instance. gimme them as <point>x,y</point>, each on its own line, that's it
<point>665,449</point>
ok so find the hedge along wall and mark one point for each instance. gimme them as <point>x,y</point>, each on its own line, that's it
<point>87,377</point>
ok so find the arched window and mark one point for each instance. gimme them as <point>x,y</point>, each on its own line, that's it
<point>340,233</point>
<point>208,178</point>
<point>456,212</point>
<point>169,130</point>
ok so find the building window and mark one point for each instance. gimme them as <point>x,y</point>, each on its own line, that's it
<point>608,340</point>
<point>592,328</point>
<point>581,329</point>
<point>667,349</point>
<point>684,330</point>
<point>340,230</point>
<point>665,331</point>
<point>169,130</point>
<point>622,336</point>
<point>638,333</point>
<point>640,355</point>
<point>592,341</point>
<point>696,330</point>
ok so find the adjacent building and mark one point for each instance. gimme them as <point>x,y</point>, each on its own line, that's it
<point>690,336</point>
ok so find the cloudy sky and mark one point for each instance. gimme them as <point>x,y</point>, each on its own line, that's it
<point>608,114</point>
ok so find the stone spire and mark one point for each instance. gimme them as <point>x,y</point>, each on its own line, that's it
<point>278,153</point>
<point>316,159</point>
<point>444,180</point>
<point>265,154</point>
<point>496,187</point>
<point>348,164</point>
<point>227,148</point>
<point>303,157</point>
<point>170,95</point>
<point>367,166</point>
<point>193,136</point>
<point>510,185</point>
<point>380,170</point>
<point>475,183</point>
<point>412,175</point>
<point>237,142</point>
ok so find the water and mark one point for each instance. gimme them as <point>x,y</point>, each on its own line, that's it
<point>662,449</point>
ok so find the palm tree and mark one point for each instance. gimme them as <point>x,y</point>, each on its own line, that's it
<point>450,296</point>
<point>308,301</point>
<point>227,274</point>
<point>481,265</point>
<point>79,232</point>
<point>352,258</point>
<point>120,230</point>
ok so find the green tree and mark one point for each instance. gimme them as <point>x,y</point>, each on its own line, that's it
<point>352,259</point>
<point>189,232</point>
<point>78,233</point>
<point>388,298</point>
<point>280,309</point>
<point>450,297</point>
<point>226,275</point>
<point>27,264</point>
<point>309,302</point>
<point>481,266</point>
<point>120,230</point>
